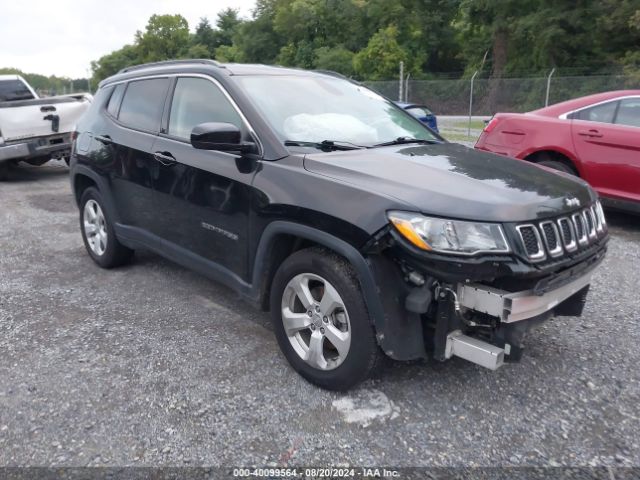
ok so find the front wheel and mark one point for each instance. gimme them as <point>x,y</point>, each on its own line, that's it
<point>98,233</point>
<point>321,321</point>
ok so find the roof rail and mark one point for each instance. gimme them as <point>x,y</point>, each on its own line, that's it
<point>204,61</point>
<point>332,73</point>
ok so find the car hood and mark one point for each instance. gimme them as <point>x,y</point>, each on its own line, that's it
<point>455,181</point>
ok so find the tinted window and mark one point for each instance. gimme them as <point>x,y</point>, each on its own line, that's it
<point>600,113</point>
<point>196,101</point>
<point>114,101</point>
<point>629,112</point>
<point>14,90</point>
<point>142,104</point>
<point>419,111</point>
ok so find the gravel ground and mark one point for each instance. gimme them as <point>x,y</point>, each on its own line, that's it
<point>154,365</point>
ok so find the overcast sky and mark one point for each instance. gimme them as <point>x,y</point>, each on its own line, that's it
<point>61,37</point>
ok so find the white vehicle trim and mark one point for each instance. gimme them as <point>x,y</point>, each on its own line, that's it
<point>615,99</point>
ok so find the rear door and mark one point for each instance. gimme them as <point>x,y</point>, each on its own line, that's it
<point>607,141</point>
<point>203,196</point>
<point>127,138</point>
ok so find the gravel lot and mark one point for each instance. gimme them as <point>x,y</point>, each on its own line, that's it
<point>154,365</point>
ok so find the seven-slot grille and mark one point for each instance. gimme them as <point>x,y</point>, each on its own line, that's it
<point>553,238</point>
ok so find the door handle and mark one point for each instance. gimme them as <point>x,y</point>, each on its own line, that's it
<point>593,133</point>
<point>165,158</point>
<point>106,139</point>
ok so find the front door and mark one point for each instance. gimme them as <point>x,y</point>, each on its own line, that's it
<point>202,196</point>
<point>607,140</point>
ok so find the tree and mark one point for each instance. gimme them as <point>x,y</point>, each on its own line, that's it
<point>111,63</point>
<point>227,23</point>
<point>337,59</point>
<point>165,37</point>
<point>206,36</point>
<point>381,57</point>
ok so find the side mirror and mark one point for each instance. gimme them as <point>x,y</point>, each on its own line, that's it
<point>224,137</point>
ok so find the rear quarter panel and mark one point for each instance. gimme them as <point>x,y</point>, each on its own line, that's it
<point>521,135</point>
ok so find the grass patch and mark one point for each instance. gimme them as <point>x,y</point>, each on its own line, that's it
<point>475,124</point>
<point>459,137</point>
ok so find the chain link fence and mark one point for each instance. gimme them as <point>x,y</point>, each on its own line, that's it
<point>451,97</point>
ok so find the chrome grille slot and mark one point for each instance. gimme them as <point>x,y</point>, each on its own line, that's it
<point>532,242</point>
<point>568,237</point>
<point>590,224</point>
<point>578,223</point>
<point>551,238</point>
<point>594,214</point>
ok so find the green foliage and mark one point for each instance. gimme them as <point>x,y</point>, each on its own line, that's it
<point>368,38</point>
<point>380,58</point>
<point>337,59</point>
<point>166,36</point>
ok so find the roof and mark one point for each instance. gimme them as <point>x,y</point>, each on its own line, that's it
<point>577,103</point>
<point>9,77</point>
<point>230,69</point>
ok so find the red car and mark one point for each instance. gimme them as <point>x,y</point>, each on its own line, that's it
<point>596,137</point>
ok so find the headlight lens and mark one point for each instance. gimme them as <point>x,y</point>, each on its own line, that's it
<point>449,236</point>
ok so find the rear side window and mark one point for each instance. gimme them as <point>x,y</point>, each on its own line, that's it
<point>419,111</point>
<point>143,103</point>
<point>114,101</point>
<point>600,113</point>
<point>629,112</point>
<point>196,101</point>
<point>11,90</point>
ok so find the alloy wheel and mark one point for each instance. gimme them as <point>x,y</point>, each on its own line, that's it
<point>316,321</point>
<point>95,228</point>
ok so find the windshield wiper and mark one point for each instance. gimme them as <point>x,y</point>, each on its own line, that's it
<point>406,140</point>
<point>326,145</point>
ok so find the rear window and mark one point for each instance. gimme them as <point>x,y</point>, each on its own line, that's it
<point>143,103</point>
<point>602,113</point>
<point>11,90</point>
<point>114,101</point>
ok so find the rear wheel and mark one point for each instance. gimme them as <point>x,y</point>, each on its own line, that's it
<point>321,321</point>
<point>98,233</point>
<point>549,162</point>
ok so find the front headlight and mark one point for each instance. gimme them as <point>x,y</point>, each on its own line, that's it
<point>449,236</point>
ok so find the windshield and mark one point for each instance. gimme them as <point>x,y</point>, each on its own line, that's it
<point>14,90</point>
<point>320,108</point>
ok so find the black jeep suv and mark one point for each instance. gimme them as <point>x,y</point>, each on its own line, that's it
<point>360,229</point>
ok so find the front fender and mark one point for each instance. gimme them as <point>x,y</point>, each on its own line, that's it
<point>399,336</point>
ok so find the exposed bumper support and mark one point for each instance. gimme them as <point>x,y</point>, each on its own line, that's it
<point>474,350</point>
<point>515,306</point>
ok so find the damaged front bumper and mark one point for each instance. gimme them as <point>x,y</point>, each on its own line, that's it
<point>512,307</point>
<point>482,321</point>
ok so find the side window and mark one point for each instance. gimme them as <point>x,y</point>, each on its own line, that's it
<point>196,101</point>
<point>143,103</point>
<point>629,112</point>
<point>114,101</point>
<point>600,113</point>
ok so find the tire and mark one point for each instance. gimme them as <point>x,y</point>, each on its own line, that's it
<point>547,161</point>
<point>343,315</point>
<point>4,171</point>
<point>103,246</point>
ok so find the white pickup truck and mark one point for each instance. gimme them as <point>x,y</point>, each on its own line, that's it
<point>34,129</point>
